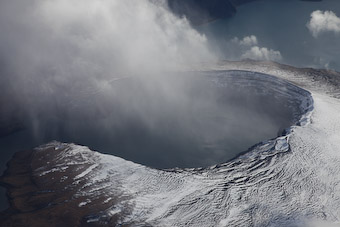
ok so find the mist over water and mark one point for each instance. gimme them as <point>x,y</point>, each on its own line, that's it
<point>102,74</point>
<point>174,120</point>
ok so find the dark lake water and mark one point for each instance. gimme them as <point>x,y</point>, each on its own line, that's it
<point>172,121</point>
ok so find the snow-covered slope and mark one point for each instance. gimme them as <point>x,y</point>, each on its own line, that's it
<point>273,184</point>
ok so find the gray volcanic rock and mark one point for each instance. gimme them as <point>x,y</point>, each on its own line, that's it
<point>49,198</point>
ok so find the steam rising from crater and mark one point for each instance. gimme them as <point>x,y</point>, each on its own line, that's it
<point>56,53</point>
<point>65,65</point>
<point>57,47</point>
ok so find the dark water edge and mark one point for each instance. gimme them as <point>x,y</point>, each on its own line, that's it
<point>9,145</point>
<point>3,199</point>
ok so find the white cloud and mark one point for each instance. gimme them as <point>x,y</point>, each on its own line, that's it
<point>321,22</point>
<point>248,47</point>
<point>89,38</point>
<point>262,53</point>
<point>246,41</point>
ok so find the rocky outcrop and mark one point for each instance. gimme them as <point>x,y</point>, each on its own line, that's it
<point>49,198</point>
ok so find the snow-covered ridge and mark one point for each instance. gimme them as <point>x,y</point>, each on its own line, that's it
<point>270,185</point>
